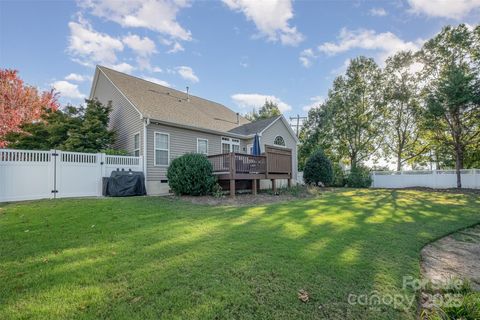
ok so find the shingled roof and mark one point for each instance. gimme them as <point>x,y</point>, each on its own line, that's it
<point>254,127</point>
<point>161,103</point>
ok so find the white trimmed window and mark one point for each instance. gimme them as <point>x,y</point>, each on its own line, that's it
<point>279,141</point>
<point>202,146</point>
<point>136,145</point>
<point>250,148</point>
<point>162,149</point>
<point>230,145</point>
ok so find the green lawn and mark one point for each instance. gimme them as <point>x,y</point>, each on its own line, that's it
<point>150,258</point>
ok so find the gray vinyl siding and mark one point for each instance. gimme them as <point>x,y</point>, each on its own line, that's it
<point>279,129</point>
<point>124,119</point>
<point>181,141</point>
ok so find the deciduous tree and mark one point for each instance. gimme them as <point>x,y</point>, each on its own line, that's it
<point>452,63</point>
<point>73,129</point>
<point>404,138</point>
<point>21,103</point>
<point>357,111</point>
<point>268,110</point>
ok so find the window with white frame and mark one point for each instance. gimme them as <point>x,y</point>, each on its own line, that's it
<point>250,148</point>
<point>230,145</point>
<point>202,146</point>
<point>279,141</point>
<point>136,145</point>
<point>162,149</point>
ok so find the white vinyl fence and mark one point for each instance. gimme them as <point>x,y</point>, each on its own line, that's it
<point>438,179</point>
<point>28,174</point>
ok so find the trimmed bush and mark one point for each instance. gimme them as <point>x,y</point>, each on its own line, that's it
<point>359,177</point>
<point>318,169</point>
<point>191,174</point>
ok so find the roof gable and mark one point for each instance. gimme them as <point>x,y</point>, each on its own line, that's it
<point>254,127</point>
<point>169,105</point>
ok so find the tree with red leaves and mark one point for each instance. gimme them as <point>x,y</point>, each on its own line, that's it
<point>21,103</point>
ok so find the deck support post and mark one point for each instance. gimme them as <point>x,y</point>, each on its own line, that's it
<point>232,188</point>
<point>232,174</point>
<point>274,186</point>
<point>289,183</point>
<point>254,187</point>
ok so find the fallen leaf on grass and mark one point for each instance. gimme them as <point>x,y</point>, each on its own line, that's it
<point>303,295</point>
<point>136,299</point>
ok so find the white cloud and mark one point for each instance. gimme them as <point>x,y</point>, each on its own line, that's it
<point>187,73</point>
<point>76,77</point>
<point>122,67</point>
<point>68,90</point>
<point>306,57</point>
<point>255,100</point>
<point>157,81</point>
<point>379,12</point>
<point>314,102</point>
<point>143,47</point>
<point>177,47</point>
<point>156,15</point>
<point>271,18</point>
<point>89,47</point>
<point>454,9</point>
<point>386,43</point>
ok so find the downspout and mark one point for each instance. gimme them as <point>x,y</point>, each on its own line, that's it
<point>146,122</point>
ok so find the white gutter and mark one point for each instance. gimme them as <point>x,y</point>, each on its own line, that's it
<point>146,122</point>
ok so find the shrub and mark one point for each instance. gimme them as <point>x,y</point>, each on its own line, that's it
<point>318,168</point>
<point>217,190</point>
<point>191,174</point>
<point>359,177</point>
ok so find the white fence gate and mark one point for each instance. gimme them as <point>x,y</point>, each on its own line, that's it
<point>438,179</point>
<point>28,174</point>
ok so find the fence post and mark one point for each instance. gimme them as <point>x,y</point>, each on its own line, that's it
<point>101,159</point>
<point>435,178</point>
<point>51,173</point>
<point>476,174</point>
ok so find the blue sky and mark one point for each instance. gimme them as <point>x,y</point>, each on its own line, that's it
<point>236,52</point>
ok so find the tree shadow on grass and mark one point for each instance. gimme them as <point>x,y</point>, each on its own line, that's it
<point>151,258</point>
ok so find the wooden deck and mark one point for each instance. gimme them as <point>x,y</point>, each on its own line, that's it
<point>274,163</point>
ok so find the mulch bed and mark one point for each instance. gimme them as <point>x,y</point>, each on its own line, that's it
<point>247,199</point>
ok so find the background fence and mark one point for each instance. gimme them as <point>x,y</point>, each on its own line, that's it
<point>28,174</point>
<point>438,179</point>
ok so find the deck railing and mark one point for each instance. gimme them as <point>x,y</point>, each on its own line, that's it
<point>247,163</point>
<point>279,160</point>
<point>220,162</point>
<point>238,163</point>
<point>275,160</point>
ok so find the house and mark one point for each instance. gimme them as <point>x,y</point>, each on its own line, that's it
<point>161,123</point>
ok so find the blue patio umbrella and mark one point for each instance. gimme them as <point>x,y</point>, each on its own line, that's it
<point>256,146</point>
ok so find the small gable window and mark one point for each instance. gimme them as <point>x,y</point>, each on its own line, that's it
<point>279,141</point>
